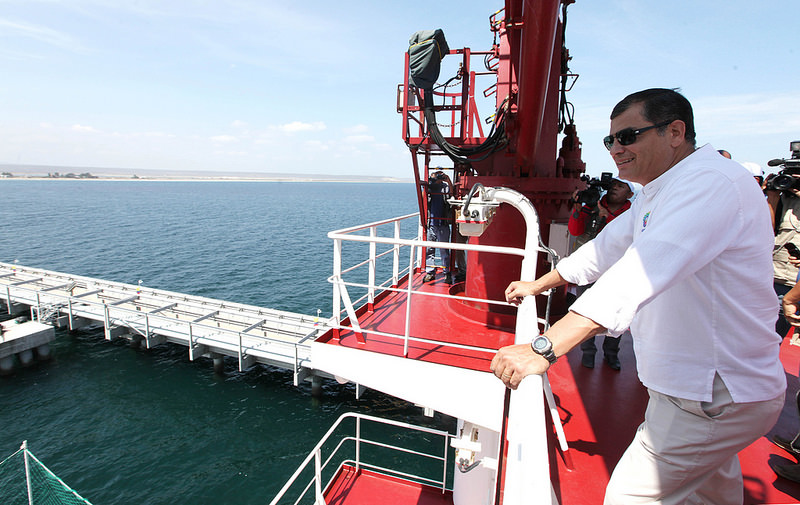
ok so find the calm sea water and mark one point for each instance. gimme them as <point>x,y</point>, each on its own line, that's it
<point>125,426</point>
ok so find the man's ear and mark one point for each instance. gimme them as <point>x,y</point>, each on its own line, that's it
<point>676,131</point>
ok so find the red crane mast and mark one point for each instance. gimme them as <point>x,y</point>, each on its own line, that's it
<point>529,62</point>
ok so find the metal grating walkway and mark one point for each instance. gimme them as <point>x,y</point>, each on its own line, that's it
<point>207,327</point>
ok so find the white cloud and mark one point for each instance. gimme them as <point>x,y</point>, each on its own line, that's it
<point>298,126</point>
<point>359,128</point>
<point>81,128</point>
<point>225,138</point>
<point>755,114</point>
<point>41,34</point>
<point>359,139</point>
<point>316,145</point>
<point>236,154</point>
<point>137,135</point>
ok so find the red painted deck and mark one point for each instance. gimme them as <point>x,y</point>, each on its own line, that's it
<point>600,408</point>
<point>366,487</point>
<point>434,318</point>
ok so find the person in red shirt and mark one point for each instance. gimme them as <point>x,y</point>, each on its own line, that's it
<point>585,223</point>
<point>614,202</point>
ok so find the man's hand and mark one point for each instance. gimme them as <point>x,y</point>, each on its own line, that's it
<point>790,313</point>
<point>513,363</point>
<point>790,305</point>
<point>518,290</point>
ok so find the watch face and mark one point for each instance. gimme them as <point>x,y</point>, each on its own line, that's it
<point>540,343</point>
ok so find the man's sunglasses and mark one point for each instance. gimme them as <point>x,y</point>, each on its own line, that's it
<point>627,136</point>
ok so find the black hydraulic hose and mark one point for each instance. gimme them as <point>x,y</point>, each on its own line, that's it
<point>494,141</point>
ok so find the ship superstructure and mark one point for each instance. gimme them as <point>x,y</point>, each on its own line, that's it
<point>556,438</point>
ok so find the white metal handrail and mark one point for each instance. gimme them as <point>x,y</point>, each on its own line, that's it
<point>315,456</point>
<point>528,323</point>
<point>234,312</point>
<point>120,289</point>
<point>341,295</point>
<point>111,315</point>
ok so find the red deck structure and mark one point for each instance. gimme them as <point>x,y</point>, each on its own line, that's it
<point>600,409</point>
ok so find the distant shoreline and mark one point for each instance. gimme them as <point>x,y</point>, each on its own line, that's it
<point>373,180</point>
<point>10,171</point>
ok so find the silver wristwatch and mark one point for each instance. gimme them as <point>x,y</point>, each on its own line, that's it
<point>542,346</point>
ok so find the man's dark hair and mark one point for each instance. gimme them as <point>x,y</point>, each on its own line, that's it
<point>660,105</point>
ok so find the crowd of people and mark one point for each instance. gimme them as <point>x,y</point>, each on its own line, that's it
<point>696,284</point>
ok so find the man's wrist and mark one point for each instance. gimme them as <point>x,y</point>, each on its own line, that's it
<point>542,346</point>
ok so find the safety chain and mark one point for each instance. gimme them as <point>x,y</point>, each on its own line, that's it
<point>440,125</point>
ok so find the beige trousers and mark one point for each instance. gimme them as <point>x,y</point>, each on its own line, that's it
<point>685,452</point>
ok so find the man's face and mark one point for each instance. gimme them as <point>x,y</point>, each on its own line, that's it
<point>645,159</point>
<point>618,192</point>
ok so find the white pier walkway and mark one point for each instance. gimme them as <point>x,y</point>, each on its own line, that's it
<point>207,327</point>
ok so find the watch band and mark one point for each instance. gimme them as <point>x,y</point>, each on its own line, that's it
<point>545,351</point>
<point>549,356</point>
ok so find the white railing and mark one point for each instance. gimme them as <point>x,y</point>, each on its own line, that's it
<point>321,462</point>
<point>199,332</point>
<point>396,244</point>
<point>528,325</point>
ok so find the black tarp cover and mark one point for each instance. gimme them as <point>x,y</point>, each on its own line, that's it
<point>425,52</point>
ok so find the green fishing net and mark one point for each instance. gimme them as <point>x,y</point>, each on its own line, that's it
<point>36,486</point>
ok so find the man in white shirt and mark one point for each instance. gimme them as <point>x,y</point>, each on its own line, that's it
<point>689,269</point>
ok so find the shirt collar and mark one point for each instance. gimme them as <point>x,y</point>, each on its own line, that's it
<point>675,171</point>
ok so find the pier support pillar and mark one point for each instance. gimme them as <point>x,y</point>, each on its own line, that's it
<point>136,340</point>
<point>26,357</point>
<point>7,365</point>
<point>61,322</point>
<point>113,332</point>
<point>219,363</point>
<point>76,323</point>
<point>16,309</point>
<point>316,386</point>
<point>43,352</point>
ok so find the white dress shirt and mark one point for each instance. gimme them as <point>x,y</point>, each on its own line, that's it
<point>689,269</point>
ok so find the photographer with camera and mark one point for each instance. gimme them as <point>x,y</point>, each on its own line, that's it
<point>590,214</point>
<point>783,197</point>
<point>439,188</point>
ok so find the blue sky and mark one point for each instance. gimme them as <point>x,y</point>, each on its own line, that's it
<point>310,86</point>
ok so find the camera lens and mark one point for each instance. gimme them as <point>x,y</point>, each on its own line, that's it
<point>782,182</point>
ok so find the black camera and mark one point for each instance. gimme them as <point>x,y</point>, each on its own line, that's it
<point>590,196</point>
<point>785,179</point>
<point>436,176</point>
